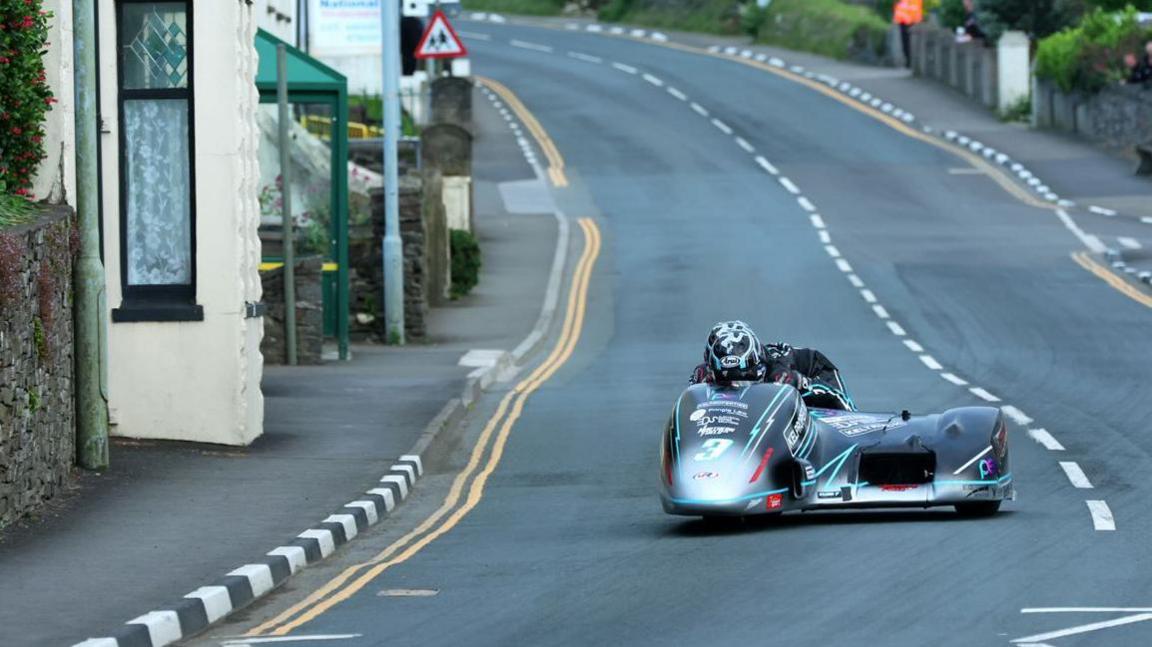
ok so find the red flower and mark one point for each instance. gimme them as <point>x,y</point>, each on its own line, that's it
<point>16,130</point>
<point>28,22</point>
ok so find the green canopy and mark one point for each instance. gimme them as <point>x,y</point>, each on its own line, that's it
<point>313,82</point>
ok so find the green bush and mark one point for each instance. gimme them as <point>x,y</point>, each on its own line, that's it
<point>466,262</point>
<point>526,7</point>
<point>827,27</point>
<point>1089,56</point>
<point>24,93</point>
<point>707,16</point>
<point>1037,18</point>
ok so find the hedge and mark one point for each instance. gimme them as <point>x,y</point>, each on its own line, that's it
<point>827,27</point>
<point>24,93</point>
<point>1089,56</point>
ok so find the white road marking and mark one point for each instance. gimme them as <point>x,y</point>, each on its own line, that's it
<point>806,204</point>
<point>408,593</point>
<point>896,328</point>
<point>852,278</point>
<point>654,80</point>
<point>983,395</point>
<point>1076,475</point>
<point>817,221</point>
<point>532,46</point>
<point>625,68</point>
<point>787,184</point>
<point>931,362</point>
<point>868,296</point>
<point>955,379</point>
<point>1044,438</point>
<point>880,311</point>
<point>241,642</point>
<point>743,143</point>
<point>724,128</point>
<point>1101,211</point>
<point>824,237</point>
<point>473,35</point>
<point>1102,518</point>
<point>1088,610</point>
<point>1083,629</point>
<point>658,37</point>
<point>700,110</point>
<point>831,249</point>
<point>1017,416</point>
<point>1091,242</point>
<point>913,346</point>
<point>676,93</point>
<point>843,266</point>
<point>1146,220</point>
<point>765,164</point>
<point>587,58</point>
<point>1128,243</point>
<point>972,460</point>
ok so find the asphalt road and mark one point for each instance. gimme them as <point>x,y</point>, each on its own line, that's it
<point>568,544</point>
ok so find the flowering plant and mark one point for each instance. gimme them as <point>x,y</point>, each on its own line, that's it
<point>24,92</point>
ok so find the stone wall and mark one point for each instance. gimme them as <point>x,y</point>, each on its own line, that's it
<point>968,67</point>
<point>423,233</point>
<point>37,421</point>
<point>1119,117</point>
<point>309,313</point>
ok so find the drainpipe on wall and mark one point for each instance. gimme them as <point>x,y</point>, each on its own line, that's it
<point>88,274</point>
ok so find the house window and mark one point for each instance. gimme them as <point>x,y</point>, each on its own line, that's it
<point>157,174</point>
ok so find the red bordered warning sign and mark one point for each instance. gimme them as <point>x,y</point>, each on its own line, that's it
<point>440,40</point>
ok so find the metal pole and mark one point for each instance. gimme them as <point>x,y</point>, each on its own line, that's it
<point>392,248</point>
<point>88,273</point>
<point>289,232</point>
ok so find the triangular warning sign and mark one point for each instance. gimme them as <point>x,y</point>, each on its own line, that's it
<point>440,40</point>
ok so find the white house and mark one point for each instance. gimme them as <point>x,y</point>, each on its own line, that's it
<point>178,176</point>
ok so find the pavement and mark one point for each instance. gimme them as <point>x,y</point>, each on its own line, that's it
<point>722,190</point>
<point>167,518</point>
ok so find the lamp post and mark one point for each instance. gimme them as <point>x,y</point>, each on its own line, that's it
<point>392,248</point>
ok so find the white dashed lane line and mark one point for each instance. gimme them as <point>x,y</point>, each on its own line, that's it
<point>656,81</point>
<point>763,163</point>
<point>817,221</point>
<point>806,204</point>
<point>868,296</point>
<point>743,143</point>
<point>880,311</point>
<point>913,346</point>
<point>896,329</point>
<point>951,377</point>
<point>587,58</point>
<point>1045,439</point>
<point>787,184</point>
<point>721,126</point>
<point>1101,211</point>
<point>931,362</point>
<point>852,278</point>
<point>532,46</point>
<point>1102,518</point>
<point>676,93</point>
<point>699,109</point>
<point>1076,475</point>
<point>983,394</point>
<point>1128,243</point>
<point>625,68</point>
<point>832,250</point>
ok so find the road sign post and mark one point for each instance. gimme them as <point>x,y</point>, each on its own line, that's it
<point>440,40</point>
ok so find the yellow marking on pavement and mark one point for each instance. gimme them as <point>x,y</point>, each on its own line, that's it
<point>344,586</point>
<point>1084,260</point>
<point>555,159</point>
<point>328,266</point>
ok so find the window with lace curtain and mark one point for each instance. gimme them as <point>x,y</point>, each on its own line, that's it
<point>157,175</point>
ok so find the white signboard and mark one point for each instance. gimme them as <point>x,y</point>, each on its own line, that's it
<point>350,27</point>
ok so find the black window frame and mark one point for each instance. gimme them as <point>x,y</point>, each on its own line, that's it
<point>176,302</point>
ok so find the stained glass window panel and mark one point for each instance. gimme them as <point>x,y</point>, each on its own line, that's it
<point>159,225</point>
<point>154,45</point>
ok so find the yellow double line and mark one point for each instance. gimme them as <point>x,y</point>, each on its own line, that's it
<point>468,486</point>
<point>555,159</point>
<point>1111,278</point>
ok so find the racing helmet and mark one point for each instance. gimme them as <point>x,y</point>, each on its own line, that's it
<point>734,353</point>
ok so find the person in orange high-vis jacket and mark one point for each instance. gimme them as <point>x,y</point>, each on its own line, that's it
<point>906,13</point>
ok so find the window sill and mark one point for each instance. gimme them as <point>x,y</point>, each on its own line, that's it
<point>157,312</point>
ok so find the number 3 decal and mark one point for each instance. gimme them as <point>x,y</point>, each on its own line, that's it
<point>712,447</point>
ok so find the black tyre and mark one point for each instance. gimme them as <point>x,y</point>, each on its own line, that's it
<point>978,508</point>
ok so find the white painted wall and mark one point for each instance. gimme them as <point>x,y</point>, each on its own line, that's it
<point>1012,67</point>
<point>196,381</point>
<point>56,178</point>
<point>277,17</point>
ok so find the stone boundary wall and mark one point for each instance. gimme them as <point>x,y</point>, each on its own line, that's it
<point>37,414</point>
<point>1119,117</point>
<point>309,313</point>
<point>968,67</point>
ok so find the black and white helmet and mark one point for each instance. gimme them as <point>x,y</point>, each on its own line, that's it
<point>734,353</point>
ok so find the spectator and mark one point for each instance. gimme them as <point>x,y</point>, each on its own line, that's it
<point>971,24</point>
<point>906,13</point>
<point>1139,69</point>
